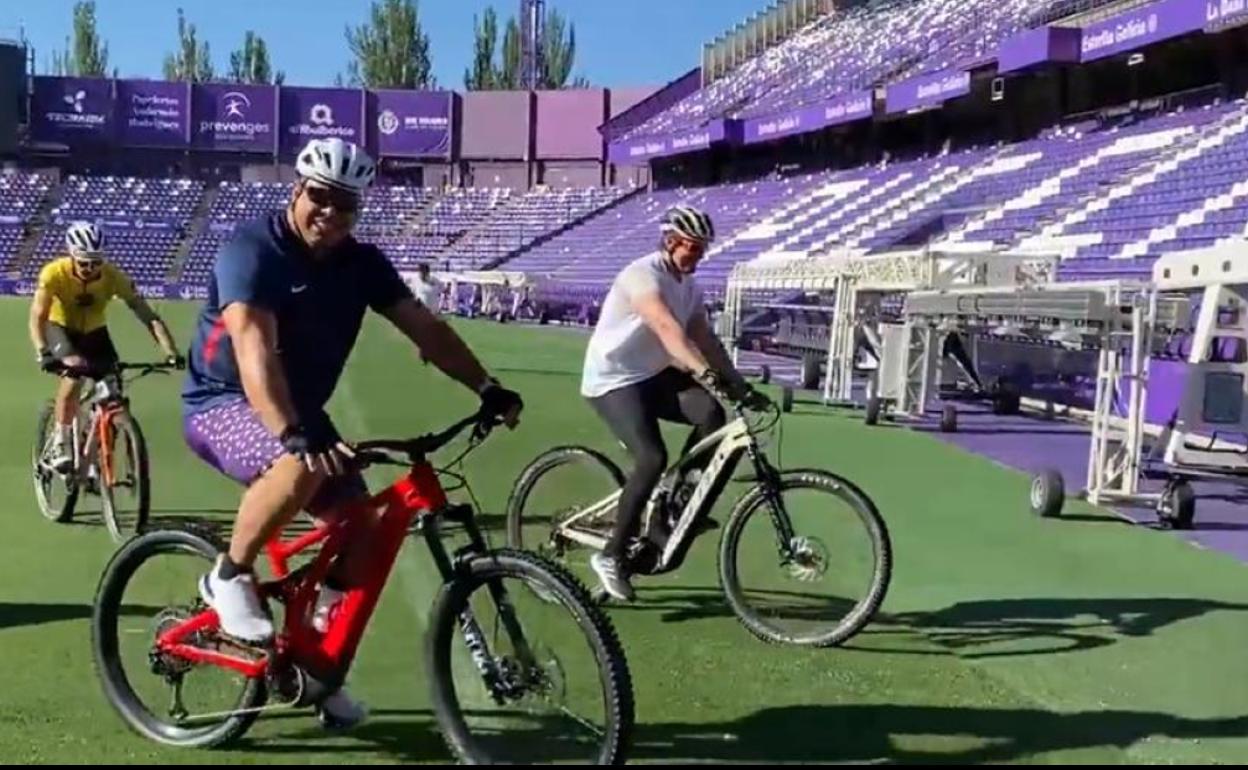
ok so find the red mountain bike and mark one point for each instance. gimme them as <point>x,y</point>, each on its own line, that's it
<point>175,679</point>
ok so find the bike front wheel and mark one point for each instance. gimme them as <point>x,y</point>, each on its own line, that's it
<point>125,484</point>
<point>524,667</point>
<point>811,571</point>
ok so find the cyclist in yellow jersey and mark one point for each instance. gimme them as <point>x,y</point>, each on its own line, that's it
<point>68,323</point>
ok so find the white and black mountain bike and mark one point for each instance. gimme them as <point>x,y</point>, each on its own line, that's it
<point>804,557</point>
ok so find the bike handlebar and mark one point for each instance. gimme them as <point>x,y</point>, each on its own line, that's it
<point>741,410</point>
<point>97,373</point>
<point>382,451</point>
<point>413,450</point>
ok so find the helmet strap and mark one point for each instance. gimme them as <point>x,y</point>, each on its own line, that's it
<point>669,263</point>
<point>79,272</point>
<point>290,217</point>
<point>292,223</point>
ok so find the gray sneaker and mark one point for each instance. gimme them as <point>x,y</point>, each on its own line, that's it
<point>611,573</point>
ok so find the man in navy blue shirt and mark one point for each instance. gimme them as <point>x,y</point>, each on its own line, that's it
<point>285,306</point>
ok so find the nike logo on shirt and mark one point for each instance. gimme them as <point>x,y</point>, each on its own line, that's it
<point>298,289</point>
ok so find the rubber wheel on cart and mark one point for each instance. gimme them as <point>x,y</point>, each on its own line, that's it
<point>1048,494</point>
<point>1177,507</point>
<point>875,405</point>
<point>809,374</point>
<point>949,419</point>
<point>1005,397</point>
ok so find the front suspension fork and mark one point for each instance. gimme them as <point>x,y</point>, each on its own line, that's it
<point>769,480</point>
<point>451,569</point>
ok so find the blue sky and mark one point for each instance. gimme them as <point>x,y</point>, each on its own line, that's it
<point>629,42</point>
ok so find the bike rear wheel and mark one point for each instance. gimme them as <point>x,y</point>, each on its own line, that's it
<point>553,488</point>
<point>149,584</point>
<point>830,577</point>
<point>524,667</point>
<point>125,484</point>
<point>55,493</point>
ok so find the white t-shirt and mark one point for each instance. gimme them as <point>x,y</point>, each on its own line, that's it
<point>623,349</point>
<point>428,292</point>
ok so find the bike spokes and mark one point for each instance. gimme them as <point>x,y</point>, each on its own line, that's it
<point>558,497</point>
<point>526,678</point>
<point>161,596</point>
<point>120,478</point>
<point>56,492</point>
<point>815,577</point>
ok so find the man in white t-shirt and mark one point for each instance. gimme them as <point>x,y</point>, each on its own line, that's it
<point>426,289</point>
<point>650,351</point>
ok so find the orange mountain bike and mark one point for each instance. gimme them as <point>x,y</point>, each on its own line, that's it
<point>109,457</point>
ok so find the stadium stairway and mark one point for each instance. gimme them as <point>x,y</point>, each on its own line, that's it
<point>35,227</point>
<point>1092,170</point>
<point>792,216</point>
<point>501,263</point>
<point>922,200</point>
<point>199,222</point>
<point>844,203</point>
<point>844,236</point>
<point>1181,146</point>
<point>1234,133</point>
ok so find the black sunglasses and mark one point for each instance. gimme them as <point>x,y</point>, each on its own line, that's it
<point>324,197</point>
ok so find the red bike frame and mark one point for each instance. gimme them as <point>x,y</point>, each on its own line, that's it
<point>324,655</point>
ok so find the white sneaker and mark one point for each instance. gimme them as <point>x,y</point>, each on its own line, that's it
<point>238,605</point>
<point>339,711</point>
<point>326,607</point>
<point>61,459</point>
<point>610,572</point>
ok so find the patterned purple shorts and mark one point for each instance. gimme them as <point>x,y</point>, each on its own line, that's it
<point>231,439</point>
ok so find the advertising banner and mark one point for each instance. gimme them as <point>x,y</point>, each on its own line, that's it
<point>153,113</point>
<point>925,90</point>
<point>318,113</point>
<point>412,124</point>
<point>843,109</point>
<point>1141,26</point>
<point>72,110</point>
<point>640,150</point>
<point>234,117</point>
<point>1042,45</point>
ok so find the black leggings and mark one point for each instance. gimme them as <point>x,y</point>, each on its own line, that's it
<point>633,414</point>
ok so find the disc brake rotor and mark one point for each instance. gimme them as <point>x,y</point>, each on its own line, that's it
<point>810,559</point>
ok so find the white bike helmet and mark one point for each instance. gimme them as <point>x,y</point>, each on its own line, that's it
<point>689,222</point>
<point>84,239</point>
<point>336,163</point>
